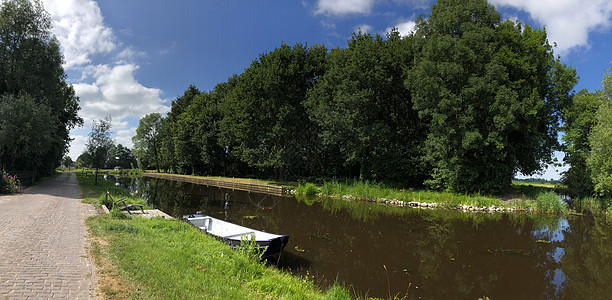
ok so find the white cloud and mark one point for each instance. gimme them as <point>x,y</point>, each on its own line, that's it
<point>404,28</point>
<point>79,27</point>
<point>365,28</point>
<point>344,7</point>
<point>117,93</point>
<point>567,22</point>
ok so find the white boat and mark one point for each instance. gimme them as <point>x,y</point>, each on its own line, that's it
<point>271,244</point>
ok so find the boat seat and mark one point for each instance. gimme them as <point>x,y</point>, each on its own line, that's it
<point>127,207</point>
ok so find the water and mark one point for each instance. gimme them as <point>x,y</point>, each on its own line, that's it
<point>429,254</point>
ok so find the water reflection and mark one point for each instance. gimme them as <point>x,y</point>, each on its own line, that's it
<point>427,253</point>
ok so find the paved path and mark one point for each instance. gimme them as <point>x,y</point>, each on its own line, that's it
<point>42,242</point>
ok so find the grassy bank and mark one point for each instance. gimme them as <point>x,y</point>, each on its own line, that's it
<point>529,198</point>
<point>167,259</point>
<point>94,193</point>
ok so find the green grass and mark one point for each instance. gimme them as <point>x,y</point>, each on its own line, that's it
<point>168,259</point>
<point>550,202</point>
<point>94,193</point>
<point>377,192</point>
<point>159,258</point>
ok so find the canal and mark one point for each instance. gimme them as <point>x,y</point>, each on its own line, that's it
<point>382,250</point>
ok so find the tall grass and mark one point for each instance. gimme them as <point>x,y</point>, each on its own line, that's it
<point>550,202</point>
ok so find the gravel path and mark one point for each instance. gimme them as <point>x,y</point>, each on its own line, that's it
<point>43,238</point>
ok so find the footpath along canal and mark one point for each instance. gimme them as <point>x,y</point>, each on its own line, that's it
<point>433,254</point>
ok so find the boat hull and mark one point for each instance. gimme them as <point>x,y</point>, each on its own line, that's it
<point>232,234</point>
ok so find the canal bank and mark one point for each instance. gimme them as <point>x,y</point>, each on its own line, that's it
<point>157,258</point>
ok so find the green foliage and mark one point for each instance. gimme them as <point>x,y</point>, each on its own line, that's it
<point>38,108</point>
<point>489,91</point>
<point>147,138</point>
<point>600,160</point>
<point>9,184</point>
<point>306,189</point>
<point>580,118</point>
<point>550,202</point>
<point>99,144</point>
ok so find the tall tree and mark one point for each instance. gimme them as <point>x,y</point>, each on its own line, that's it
<point>31,68</point>
<point>99,144</point>
<point>264,117</point>
<point>580,118</point>
<point>600,140</point>
<point>147,138</point>
<point>365,112</point>
<point>491,92</point>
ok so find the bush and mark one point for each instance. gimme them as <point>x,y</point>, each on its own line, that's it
<point>307,189</point>
<point>9,184</point>
<point>550,202</point>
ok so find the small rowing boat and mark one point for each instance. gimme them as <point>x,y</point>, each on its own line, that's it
<point>232,234</point>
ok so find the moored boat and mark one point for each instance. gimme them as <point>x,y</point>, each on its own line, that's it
<point>232,234</point>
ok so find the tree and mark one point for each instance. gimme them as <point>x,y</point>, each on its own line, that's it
<point>99,143</point>
<point>491,92</point>
<point>365,113</point>
<point>600,140</point>
<point>121,156</point>
<point>147,139</point>
<point>580,118</point>
<point>31,74</point>
<point>67,162</point>
<point>264,118</point>
<point>25,134</point>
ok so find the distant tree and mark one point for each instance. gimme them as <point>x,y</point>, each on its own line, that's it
<point>67,162</point>
<point>147,139</point>
<point>600,140</point>
<point>580,118</point>
<point>83,161</point>
<point>121,156</point>
<point>31,75</point>
<point>491,92</point>
<point>99,144</point>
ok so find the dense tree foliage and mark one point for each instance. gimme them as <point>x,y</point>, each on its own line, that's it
<point>38,108</point>
<point>462,104</point>
<point>580,118</point>
<point>600,159</point>
<point>365,112</point>
<point>491,93</point>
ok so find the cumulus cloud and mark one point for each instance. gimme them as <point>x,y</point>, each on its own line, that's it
<point>405,28</point>
<point>116,92</point>
<point>79,27</point>
<point>343,7</point>
<point>567,23</point>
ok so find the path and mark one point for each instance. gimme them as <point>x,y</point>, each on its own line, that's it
<point>42,242</point>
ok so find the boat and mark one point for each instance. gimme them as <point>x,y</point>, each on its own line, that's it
<point>232,234</point>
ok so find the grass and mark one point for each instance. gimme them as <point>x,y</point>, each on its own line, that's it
<point>94,193</point>
<point>378,192</point>
<point>157,258</point>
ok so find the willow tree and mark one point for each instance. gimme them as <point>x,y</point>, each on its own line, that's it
<point>491,92</point>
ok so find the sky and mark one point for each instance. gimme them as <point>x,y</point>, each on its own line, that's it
<point>130,58</point>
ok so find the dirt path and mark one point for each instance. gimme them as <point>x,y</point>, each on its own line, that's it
<point>42,242</point>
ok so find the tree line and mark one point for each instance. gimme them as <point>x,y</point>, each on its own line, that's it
<point>463,103</point>
<point>37,107</point>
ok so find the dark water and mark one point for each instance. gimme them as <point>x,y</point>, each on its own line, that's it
<point>428,254</point>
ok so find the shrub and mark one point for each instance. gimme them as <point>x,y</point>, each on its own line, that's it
<point>307,189</point>
<point>550,202</point>
<point>9,184</point>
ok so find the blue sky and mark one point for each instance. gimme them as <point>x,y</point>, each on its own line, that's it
<point>130,58</point>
